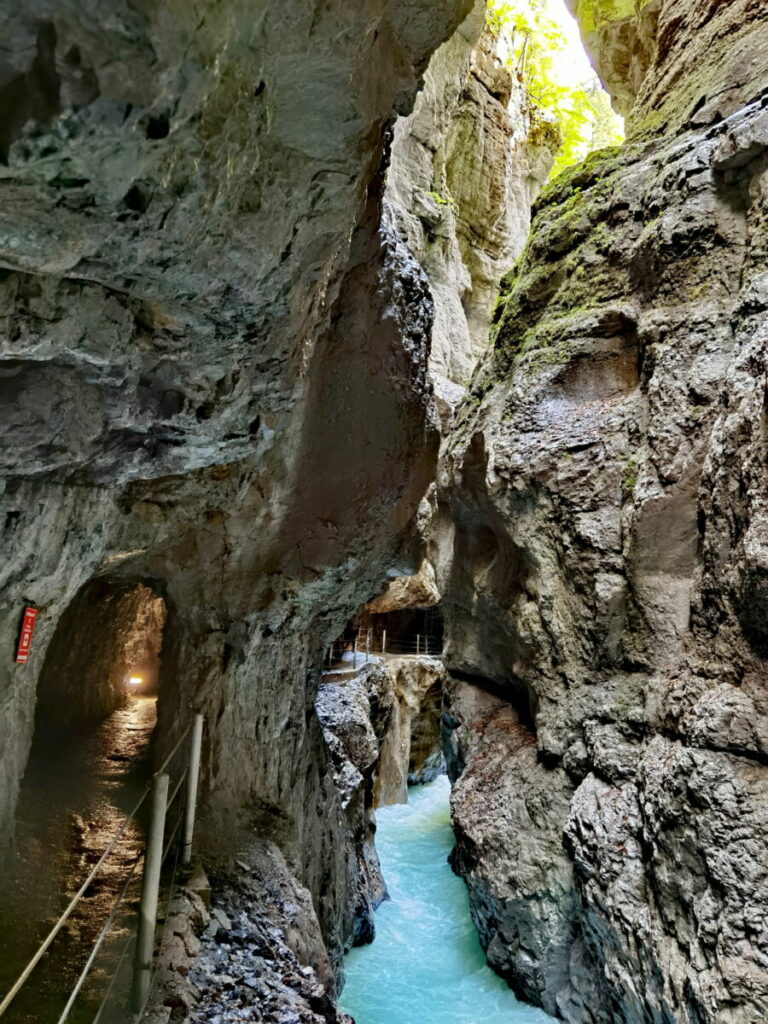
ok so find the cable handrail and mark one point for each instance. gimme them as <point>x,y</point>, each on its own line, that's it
<point>99,941</point>
<point>43,949</point>
<point>179,784</point>
<point>169,844</point>
<point>164,932</point>
<point>374,642</point>
<point>186,817</point>
<point>105,1000</point>
<point>170,756</point>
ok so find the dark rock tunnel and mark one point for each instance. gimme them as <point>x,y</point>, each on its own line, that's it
<point>90,762</point>
<point>110,634</point>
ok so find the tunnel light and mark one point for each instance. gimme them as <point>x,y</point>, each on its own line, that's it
<point>135,680</point>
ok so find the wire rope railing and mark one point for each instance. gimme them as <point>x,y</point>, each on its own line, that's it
<point>354,652</point>
<point>105,929</point>
<point>156,853</point>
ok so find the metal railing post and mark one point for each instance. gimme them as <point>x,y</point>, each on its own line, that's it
<point>195,749</point>
<point>150,887</point>
<point>418,644</point>
<point>384,641</point>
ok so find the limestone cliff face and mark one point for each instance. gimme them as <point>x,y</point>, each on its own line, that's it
<point>671,64</point>
<point>213,367</point>
<point>604,493</point>
<point>465,168</point>
<point>410,753</point>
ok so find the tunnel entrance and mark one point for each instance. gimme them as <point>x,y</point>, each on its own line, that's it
<point>88,766</point>
<point>407,630</point>
<point>106,649</point>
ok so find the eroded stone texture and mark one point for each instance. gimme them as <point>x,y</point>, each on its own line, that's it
<point>507,810</point>
<point>603,497</point>
<point>213,368</point>
<point>672,63</point>
<point>466,166</point>
<point>410,753</point>
<point>417,591</point>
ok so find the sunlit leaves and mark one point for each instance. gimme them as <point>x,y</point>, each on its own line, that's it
<point>535,49</point>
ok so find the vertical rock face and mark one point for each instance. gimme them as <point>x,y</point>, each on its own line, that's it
<point>466,165</point>
<point>672,64</point>
<point>410,753</point>
<point>213,368</point>
<point>604,491</point>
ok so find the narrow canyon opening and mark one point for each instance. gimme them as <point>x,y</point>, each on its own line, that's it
<point>383,412</point>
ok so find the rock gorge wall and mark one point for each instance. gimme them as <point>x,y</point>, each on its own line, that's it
<point>466,166</point>
<point>213,372</point>
<point>410,753</point>
<point>603,501</point>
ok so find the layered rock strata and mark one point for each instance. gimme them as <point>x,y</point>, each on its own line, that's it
<point>603,498</point>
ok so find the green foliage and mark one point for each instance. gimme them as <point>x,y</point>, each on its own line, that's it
<point>442,200</point>
<point>593,14</point>
<point>536,49</point>
<point>629,479</point>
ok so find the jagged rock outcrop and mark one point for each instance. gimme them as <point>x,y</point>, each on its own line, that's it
<point>213,364</point>
<point>411,749</point>
<point>465,168</point>
<point>603,497</point>
<point>356,715</point>
<point>254,957</point>
<point>671,65</point>
<point>507,810</point>
<point>417,591</point>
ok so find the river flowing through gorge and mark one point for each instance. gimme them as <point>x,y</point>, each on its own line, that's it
<point>425,964</point>
<point>430,333</point>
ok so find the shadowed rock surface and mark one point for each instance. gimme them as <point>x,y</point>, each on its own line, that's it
<point>603,557</point>
<point>213,367</point>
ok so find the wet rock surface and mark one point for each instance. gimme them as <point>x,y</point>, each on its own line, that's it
<point>602,499</point>
<point>197,279</point>
<point>246,960</point>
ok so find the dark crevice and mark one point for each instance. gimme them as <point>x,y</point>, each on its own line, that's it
<point>32,96</point>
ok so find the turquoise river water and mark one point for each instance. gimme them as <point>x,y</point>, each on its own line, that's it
<point>425,965</point>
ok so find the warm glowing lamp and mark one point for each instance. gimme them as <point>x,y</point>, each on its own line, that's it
<point>135,680</point>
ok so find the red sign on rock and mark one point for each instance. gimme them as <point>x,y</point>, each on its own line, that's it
<point>25,638</point>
